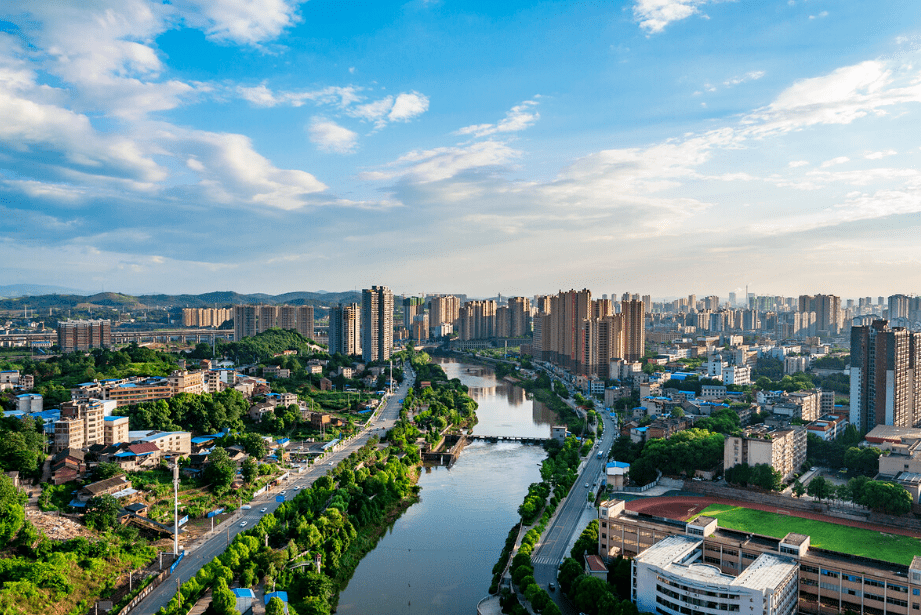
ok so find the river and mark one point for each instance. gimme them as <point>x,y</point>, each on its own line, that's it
<point>438,556</point>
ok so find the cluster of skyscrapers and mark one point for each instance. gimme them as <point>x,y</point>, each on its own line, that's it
<point>585,336</point>
<point>365,329</point>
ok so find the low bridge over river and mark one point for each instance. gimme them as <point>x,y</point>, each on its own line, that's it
<point>516,439</point>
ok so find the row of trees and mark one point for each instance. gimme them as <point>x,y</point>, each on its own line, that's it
<point>761,475</point>
<point>880,496</point>
<point>328,520</point>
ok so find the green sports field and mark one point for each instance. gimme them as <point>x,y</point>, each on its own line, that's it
<point>878,545</point>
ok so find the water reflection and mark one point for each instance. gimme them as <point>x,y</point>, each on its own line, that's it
<point>437,557</point>
<point>506,409</point>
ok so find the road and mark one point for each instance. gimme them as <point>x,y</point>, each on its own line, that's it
<point>554,547</point>
<point>381,421</point>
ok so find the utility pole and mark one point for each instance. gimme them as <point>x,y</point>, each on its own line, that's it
<point>176,508</point>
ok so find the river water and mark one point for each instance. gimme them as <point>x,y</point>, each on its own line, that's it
<point>437,558</point>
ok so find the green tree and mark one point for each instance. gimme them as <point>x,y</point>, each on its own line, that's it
<point>275,607</point>
<point>106,470</point>
<point>569,572</point>
<point>250,470</point>
<point>12,513</point>
<point>819,488</point>
<point>885,497</point>
<point>220,469</point>
<point>799,489</point>
<point>587,543</point>
<point>223,599</point>
<point>102,512</point>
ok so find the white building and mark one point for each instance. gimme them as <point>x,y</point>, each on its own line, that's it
<point>671,578</point>
<point>735,374</point>
<point>29,402</point>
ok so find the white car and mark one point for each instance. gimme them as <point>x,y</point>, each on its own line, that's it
<point>242,523</point>
<point>263,510</point>
<point>282,492</point>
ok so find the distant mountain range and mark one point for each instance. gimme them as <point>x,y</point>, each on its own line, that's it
<point>35,290</point>
<point>44,300</point>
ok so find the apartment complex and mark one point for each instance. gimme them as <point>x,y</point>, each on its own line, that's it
<point>585,336</point>
<point>377,323</point>
<point>884,390</point>
<point>782,449</point>
<point>444,310</point>
<point>249,320</point>
<point>828,581</point>
<point>827,310</point>
<point>84,423</point>
<point>206,317</point>
<point>345,329</point>
<point>76,335</point>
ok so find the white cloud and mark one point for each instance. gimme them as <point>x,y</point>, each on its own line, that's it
<point>797,163</point>
<point>841,97</point>
<point>247,22</point>
<point>855,208</point>
<point>518,118</point>
<point>749,76</point>
<point>262,96</point>
<point>835,161</point>
<point>231,172</point>
<point>331,137</point>
<point>654,15</point>
<point>878,155</point>
<point>408,106</point>
<point>444,162</point>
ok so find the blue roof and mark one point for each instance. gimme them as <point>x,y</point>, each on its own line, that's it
<point>679,376</point>
<point>283,596</point>
<point>641,428</point>
<point>243,593</point>
<point>114,418</point>
<point>618,464</point>
<point>202,439</point>
<point>283,440</point>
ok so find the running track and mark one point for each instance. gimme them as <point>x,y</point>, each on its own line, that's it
<point>682,508</point>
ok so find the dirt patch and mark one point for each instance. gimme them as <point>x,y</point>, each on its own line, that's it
<point>56,527</point>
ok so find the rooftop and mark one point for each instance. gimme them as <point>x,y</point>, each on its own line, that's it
<point>766,572</point>
<point>668,550</point>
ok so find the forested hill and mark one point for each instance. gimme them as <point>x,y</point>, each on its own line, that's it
<point>212,299</point>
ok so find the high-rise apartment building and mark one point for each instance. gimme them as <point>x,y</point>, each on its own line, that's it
<point>248,320</point>
<point>412,306</point>
<point>444,309</point>
<point>76,335</point>
<point>345,329</point>
<point>205,317</point>
<point>884,385</point>
<point>567,312</point>
<point>377,325</point>
<point>519,316</point>
<point>827,310</point>
<point>245,318</point>
<point>477,320</point>
<point>304,321</point>
<point>268,318</point>
<point>634,330</point>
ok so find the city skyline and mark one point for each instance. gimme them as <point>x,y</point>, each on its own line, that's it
<point>526,147</point>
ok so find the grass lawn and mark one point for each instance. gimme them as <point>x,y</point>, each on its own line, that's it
<point>868,543</point>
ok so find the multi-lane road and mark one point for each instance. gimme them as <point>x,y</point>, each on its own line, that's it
<point>554,546</point>
<point>198,555</point>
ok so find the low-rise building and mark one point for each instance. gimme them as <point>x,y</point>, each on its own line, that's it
<point>169,442</point>
<point>829,426</point>
<point>29,402</point>
<point>782,449</point>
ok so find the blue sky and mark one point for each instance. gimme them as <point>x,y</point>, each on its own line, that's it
<point>651,146</point>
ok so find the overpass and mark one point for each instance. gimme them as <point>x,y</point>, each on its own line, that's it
<point>126,336</point>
